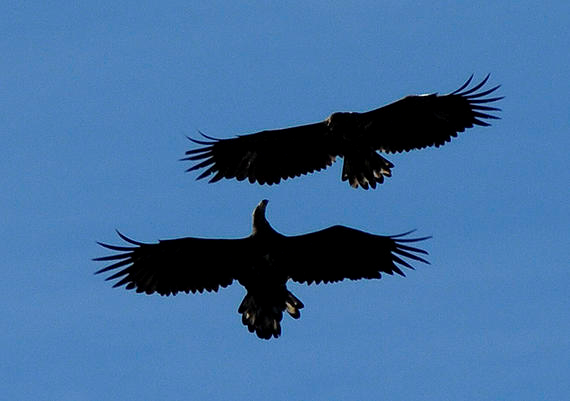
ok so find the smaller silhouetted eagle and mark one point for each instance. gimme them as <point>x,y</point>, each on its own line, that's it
<point>414,122</point>
<point>263,262</point>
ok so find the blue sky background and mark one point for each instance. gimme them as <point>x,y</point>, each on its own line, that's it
<point>95,101</point>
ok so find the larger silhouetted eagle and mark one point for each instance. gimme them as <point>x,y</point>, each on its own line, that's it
<point>414,122</point>
<point>263,262</point>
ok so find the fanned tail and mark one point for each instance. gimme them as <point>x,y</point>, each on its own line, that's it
<point>366,169</point>
<point>263,314</point>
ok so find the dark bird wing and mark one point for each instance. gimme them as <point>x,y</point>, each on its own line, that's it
<point>419,121</point>
<point>267,156</point>
<point>171,266</point>
<point>337,253</point>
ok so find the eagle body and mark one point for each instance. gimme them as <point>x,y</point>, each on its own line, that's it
<point>262,263</point>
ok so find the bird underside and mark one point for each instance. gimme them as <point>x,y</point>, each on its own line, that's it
<point>411,123</point>
<point>262,263</point>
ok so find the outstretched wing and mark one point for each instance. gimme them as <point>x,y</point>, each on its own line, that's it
<point>419,121</point>
<point>267,156</point>
<point>337,253</point>
<point>171,266</point>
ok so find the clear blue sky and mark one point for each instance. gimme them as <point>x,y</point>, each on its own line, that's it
<point>95,101</point>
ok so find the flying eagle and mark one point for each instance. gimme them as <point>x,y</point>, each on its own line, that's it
<point>263,262</point>
<point>414,122</point>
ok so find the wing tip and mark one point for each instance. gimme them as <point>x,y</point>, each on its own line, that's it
<point>401,248</point>
<point>471,93</point>
<point>210,139</point>
<point>125,252</point>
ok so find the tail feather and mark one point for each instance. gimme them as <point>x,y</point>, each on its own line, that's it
<point>293,305</point>
<point>263,315</point>
<point>366,169</point>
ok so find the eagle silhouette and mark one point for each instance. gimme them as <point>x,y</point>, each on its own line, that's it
<point>262,262</point>
<point>413,122</point>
